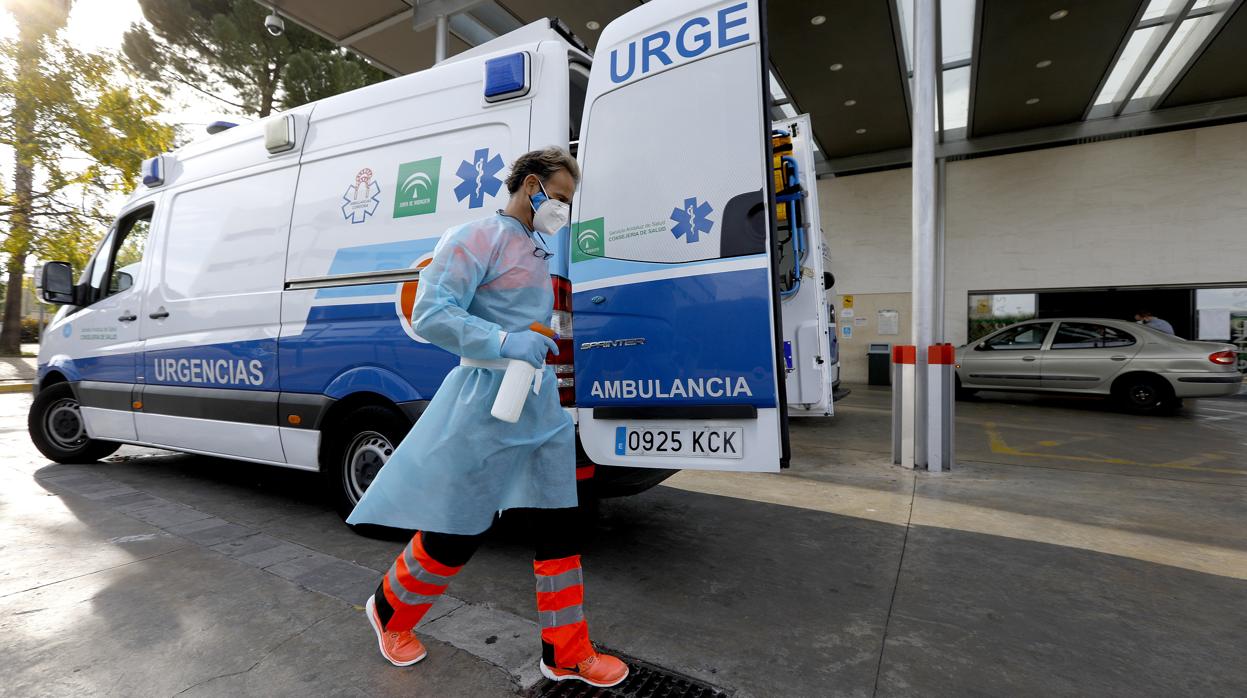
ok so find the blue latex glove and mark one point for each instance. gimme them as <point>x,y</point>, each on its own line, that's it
<point>529,346</point>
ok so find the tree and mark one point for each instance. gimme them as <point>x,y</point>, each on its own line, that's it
<point>221,49</point>
<point>79,132</point>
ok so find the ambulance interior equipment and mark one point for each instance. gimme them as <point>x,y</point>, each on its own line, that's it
<point>265,276</point>
<point>810,357</point>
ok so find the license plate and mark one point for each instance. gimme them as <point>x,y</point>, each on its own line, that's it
<point>701,442</point>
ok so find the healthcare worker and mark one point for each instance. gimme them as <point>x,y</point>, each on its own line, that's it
<point>459,466</point>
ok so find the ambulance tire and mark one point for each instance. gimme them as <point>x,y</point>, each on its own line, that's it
<point>56,428</point>
<point>355,448</point>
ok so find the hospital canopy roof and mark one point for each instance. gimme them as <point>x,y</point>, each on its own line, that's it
<point>1017,74</point>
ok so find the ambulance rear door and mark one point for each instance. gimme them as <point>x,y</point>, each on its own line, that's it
<point>672,263</point>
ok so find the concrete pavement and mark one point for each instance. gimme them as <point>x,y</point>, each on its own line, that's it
<point>1113,563</point>
<point>17,373</point>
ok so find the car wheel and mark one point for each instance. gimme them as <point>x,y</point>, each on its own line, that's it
<point>356,449</point>
<point>1144,394</point>
<point>56,428</point>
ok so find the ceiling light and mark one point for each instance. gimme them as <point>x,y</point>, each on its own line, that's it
<point>1059,14</point>
<point>835,66</point>
<point>817,20</point>
<point>593,25</point>
<point>1033,100</point>
<point>860,131</point>
<point>850,102</point>
<point>1043,64</point>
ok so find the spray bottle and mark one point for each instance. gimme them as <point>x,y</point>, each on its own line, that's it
<point>519,377</point>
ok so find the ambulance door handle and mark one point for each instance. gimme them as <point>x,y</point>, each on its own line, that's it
<point>160,314</point>
<point>129,317</point>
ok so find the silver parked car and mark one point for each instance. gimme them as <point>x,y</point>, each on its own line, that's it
<point>1144,369</point>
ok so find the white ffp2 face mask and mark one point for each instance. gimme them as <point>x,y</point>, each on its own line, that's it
<point>549,215</point>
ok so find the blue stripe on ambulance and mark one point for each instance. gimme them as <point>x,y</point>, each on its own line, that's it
<point>339,338</point>
<point>691,355</point>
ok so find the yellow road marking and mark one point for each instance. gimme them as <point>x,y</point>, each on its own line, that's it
<point>998,445</point>
<point>973,421</point>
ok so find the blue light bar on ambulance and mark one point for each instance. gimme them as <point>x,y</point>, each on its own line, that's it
<point>506,77</point>
<point>218,126</point>
<point>154,171</point>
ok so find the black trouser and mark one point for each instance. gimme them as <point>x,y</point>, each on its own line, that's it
<point>554,533</point>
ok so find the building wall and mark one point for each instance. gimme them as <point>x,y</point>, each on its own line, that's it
<point>1162,209</point>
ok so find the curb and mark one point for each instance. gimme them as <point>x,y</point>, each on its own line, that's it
<point>16,387</point>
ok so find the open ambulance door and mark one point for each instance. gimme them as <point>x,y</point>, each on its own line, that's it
<point>672,253</point>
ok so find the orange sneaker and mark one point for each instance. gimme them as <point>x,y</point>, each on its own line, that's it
<point>601,670</point>
<point>400,648</point>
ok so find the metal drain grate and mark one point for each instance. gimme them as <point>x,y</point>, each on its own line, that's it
<point>644,681</point>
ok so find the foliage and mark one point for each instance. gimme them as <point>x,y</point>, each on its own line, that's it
<point>30,330</point>
<point>91,130</point>
<point>79,130</point>
<point>221,48</point>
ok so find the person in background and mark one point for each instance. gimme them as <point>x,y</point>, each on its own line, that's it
<point>1145,317</point>
<point>488,281</point>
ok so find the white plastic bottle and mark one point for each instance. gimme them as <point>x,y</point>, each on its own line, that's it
<point>513,392</point>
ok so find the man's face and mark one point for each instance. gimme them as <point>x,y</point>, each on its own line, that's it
<point>560,186</point>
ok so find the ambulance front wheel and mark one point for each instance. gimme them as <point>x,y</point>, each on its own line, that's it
<point>354,451</point>
<point>56,427</point>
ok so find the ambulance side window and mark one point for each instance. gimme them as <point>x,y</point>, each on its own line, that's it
<point>98,266</point>
<point>117,263</point>
<point>130,255</point>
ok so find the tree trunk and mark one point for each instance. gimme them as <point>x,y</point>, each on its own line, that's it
<point>20,235</point>
<point>11,336</point>
<point>268,88</point>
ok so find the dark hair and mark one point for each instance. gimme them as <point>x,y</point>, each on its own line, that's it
<point>544,163</point>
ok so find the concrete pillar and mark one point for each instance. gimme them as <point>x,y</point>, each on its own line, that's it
<point>924,218</point>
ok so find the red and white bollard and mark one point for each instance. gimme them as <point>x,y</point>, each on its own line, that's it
<point>941,425</point>
<point>904,360</point>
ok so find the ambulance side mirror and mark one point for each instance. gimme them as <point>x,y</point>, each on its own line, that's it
<point>58,283</point>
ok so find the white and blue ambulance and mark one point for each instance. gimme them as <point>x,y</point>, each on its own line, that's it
<point>253,299</point>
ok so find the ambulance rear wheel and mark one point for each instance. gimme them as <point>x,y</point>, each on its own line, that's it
<point>356,449</point>
<point>58,431</point>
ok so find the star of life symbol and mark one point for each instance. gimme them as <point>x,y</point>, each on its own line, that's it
<point>361,198</point>
<point>691,221</point>
<point>479,177</point>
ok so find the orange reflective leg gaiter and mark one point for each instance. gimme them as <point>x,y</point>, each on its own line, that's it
<point>560,610</point>
<point>408,590</point>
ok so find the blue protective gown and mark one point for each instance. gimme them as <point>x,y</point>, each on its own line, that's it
<point>459,465</point>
